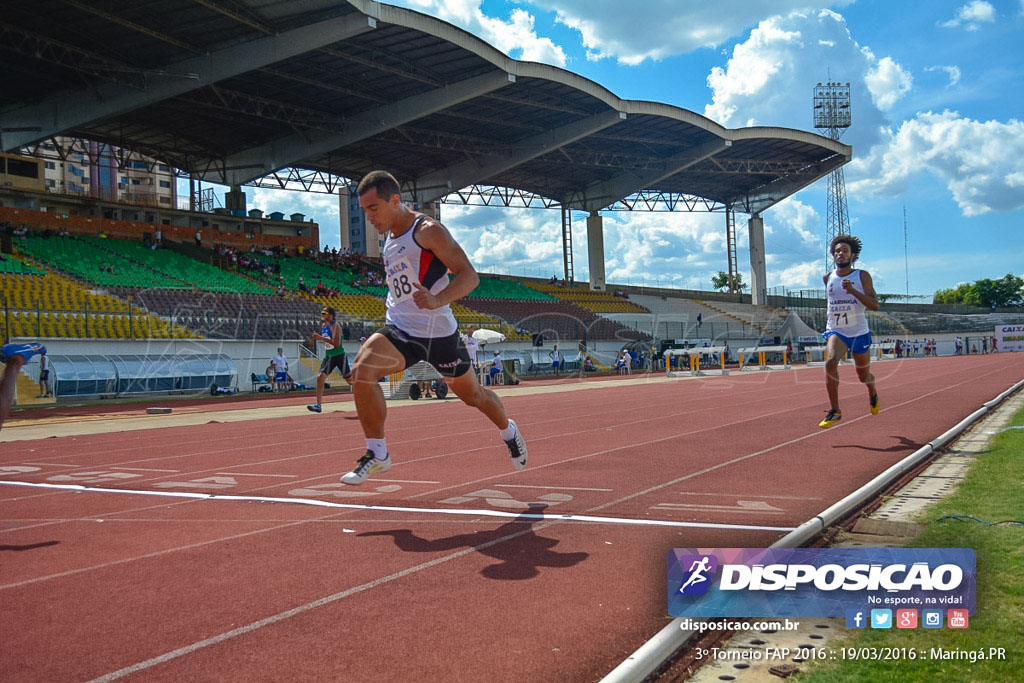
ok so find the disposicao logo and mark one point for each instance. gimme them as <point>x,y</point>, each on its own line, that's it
<point>808,582</point>
<point>696,580</point>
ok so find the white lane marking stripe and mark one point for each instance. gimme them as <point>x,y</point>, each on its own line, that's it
<point>553,488</point>
<point>141,469</point>
<point>287,614</point>
<point>752,496</point>
<point>406,481</point>
<point>246,474</point>
<point>393,508</point>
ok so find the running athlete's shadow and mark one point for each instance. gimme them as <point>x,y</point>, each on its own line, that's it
<point>519,550</point>
<point>902,444</point>
<point>34,546</point>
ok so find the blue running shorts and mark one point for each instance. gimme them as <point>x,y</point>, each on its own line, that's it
<point>859,344</point>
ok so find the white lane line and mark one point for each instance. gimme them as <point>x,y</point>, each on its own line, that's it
<point>754,496</point>
<point>393,508</point>
<point>50,464</point>
<point>287,614</point>
<point>406,481</point>
<point>245,474</point>
<point>553,488</point>
<point>142,469</point>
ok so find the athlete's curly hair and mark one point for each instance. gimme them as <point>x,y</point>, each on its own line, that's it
<point>853,242</point>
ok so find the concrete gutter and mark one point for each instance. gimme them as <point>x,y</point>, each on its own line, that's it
<point>653,654</point>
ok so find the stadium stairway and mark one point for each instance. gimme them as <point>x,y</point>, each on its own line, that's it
<point>27,392</point>
<point>748,323</point>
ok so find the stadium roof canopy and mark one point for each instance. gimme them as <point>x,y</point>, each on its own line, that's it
<point>232,90</point>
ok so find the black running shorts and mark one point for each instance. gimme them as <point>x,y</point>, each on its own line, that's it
<point>448,354</point>
<point>331,363</point>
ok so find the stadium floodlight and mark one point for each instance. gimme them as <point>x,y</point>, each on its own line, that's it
<point>832,116</point>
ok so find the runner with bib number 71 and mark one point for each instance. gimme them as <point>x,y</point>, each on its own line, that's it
<point>850,294</point>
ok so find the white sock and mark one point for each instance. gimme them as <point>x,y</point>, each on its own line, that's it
<point>508,433</point>
<point>378,447</point>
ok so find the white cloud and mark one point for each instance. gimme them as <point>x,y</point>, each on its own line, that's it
<point>981,162</point>
<point>952,71</point>
<point>662,28</point>
<point>769,77</point>
<point>887,82</point>
<point>515,36</point>
<point>971,16</point>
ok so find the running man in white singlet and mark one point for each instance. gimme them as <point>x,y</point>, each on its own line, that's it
<point>418,255</point>
<point>850,294</point>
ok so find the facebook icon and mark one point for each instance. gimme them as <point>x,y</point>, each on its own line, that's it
<point>856,618</point>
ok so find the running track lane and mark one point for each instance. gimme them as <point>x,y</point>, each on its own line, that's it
<point>162,589</point>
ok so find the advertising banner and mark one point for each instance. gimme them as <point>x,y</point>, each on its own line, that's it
<point>817,582</point>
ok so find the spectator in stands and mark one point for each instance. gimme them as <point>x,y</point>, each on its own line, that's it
<point>14,357</point>
<point>158,238</point>
<point>44,375</point>
<point>334,355</point>
<point>850,294</point>
<point>556,360</point>
<point>280,364</point>
<point>700,320</point>
<point>199,238</point>
<point>302,284</point>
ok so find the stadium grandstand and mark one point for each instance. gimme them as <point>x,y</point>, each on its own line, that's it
<point>97,246</point>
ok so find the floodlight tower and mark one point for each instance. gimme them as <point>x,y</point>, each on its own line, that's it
<point>832,117</point>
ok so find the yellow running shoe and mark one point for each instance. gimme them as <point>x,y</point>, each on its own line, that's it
<point>874,405</point>
<point>830,419</point>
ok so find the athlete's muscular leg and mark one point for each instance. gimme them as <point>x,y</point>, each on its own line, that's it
<point>377,358</point>
<point>467,387</point>
<point>863,361</point>
<point>834,350</point>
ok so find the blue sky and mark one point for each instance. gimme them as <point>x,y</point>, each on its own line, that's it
<point>937,128</point>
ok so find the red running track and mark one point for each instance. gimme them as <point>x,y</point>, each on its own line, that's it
<point>100,585</point>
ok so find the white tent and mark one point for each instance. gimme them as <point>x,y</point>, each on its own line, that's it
<point>794,329</point>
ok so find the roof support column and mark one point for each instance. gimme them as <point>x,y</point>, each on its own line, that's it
<point>234,199</point>
<point>595,249</point>
<point>758,277</point>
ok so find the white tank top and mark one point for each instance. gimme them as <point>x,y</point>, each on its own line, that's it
<point>846,314</point>
<point>405,262</point>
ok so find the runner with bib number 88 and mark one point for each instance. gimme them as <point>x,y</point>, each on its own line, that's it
<point>850,294</point>
<point>418,254</point>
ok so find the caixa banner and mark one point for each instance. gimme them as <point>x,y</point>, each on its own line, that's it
<point>816,582</point>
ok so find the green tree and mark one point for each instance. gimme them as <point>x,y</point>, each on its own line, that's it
<point>1006,291</point>
<point>721,281</point>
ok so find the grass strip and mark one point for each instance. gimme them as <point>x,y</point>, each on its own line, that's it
<point>993,491</point>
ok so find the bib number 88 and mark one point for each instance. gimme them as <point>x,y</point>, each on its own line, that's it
<point>401,286</point>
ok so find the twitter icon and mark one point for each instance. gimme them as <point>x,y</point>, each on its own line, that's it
<point>881,618</point>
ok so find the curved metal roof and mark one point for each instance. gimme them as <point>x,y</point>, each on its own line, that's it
<point>231,90</point>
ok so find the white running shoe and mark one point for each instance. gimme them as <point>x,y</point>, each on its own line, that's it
<point>365,466</point>
<point>517,448</point>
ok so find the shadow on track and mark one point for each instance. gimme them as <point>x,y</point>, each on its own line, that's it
<point>519,550</point>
